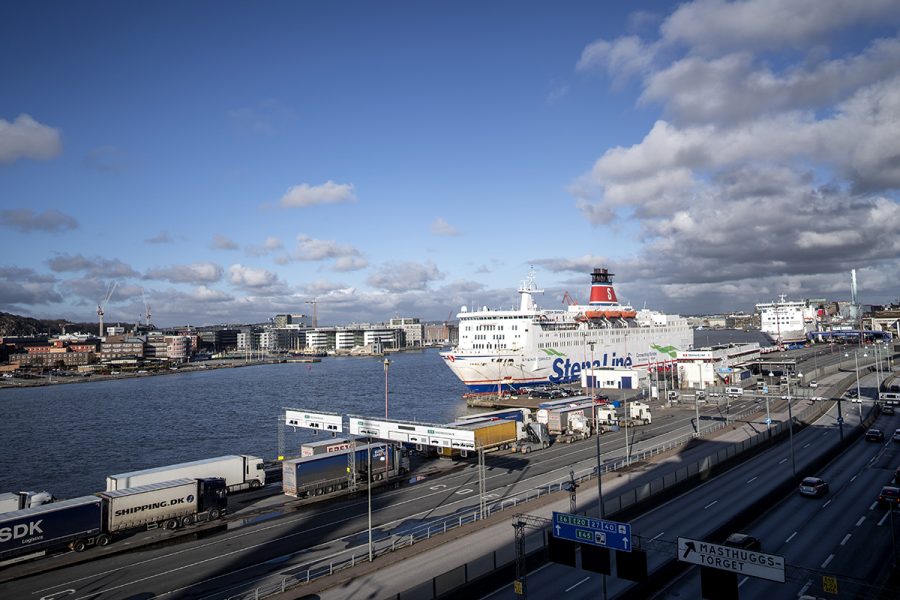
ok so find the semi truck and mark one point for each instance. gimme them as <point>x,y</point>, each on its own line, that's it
<point>240,472</point>
<point>10,501</point>
<point>557,419</point>
<point>95,520</point>
<point>579,428</point>
<point>638,413</point>
<point>331,473</point>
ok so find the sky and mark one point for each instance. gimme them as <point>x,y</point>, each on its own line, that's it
<point>223,162</point>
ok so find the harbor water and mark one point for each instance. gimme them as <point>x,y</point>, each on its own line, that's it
<point>67,438</point>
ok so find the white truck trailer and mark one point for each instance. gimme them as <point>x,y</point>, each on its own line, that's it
<point>240,472</point>
<point>10,501</point>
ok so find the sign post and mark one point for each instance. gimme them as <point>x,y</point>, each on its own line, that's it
<point>736,560</point>
<point>596,532</point>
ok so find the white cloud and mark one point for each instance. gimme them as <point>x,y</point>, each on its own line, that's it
<point>404,276</point>
<point>26,220</point>
<point>200,272</point>
<point>163,237</point>
<point>26,138</point>
<point>221,242</point>
<point>97,266</point>
<point>250,277</point>
<point>442,227</point>
<point>304,195</point>
<point>271,244</point>
<point>623,57</point>
<point>350,263</point>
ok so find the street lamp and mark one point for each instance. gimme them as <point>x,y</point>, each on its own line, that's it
<point>791,426</point>
<point>387,364</point>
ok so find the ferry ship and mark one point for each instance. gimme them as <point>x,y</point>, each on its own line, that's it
<point>508,349</point>
<point>786,321</point>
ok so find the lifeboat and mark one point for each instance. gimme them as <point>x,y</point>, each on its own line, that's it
<point>591,315</point>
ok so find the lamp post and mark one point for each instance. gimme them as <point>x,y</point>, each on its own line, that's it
<point>387,364</point>
<point>768,416</point>
<point>369,493</point>
<point>791,426</point>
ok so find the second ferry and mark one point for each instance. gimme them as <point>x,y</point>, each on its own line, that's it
<point>509,349</point>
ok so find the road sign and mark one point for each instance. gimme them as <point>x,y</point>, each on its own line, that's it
<point>840,420</point>
<point>765,389</point>
<point>597,532</point>
<point>736,560</point>
<point>768,421</point>
<point>314,420</point>
<point>517,587</point>
<point>829,584</point>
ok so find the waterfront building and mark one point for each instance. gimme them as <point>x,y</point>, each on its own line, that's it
<point>120,347</point>
<point>178,347</point>
<point>413,330</point>
<point>716,365</point>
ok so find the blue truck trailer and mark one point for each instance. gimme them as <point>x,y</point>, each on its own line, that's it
<point>331,473</point>
<point>49,526</point>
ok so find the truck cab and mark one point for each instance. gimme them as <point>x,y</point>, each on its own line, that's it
<point>254,471</point>
<point>213,496</point>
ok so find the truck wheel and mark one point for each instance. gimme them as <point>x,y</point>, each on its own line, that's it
<point>102,540</point>
<point>79,545</point>
<point>214,514</point>
<point>170,524</point>
<point>187,521</point>
<point>255,484</point>
<point>526,450</point>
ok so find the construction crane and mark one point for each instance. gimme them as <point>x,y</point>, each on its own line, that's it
<point>147,312</point>
<point>314,303</point>
<point>569,300</point>
<point>101,307</point>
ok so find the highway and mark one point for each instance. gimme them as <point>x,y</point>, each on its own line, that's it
<point>844,534</point>
<point>696,514</point>
<point>227,561</point>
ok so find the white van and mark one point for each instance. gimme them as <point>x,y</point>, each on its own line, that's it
<point>734,391</point>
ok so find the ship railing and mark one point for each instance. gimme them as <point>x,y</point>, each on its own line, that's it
<point>386,542</point>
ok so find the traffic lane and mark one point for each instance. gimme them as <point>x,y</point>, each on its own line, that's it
<point>701,510</point>
<point>801,529</point>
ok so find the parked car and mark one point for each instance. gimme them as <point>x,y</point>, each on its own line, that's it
<point>887,409</point>
<point>813,486</point>
<point>889,496</point>
<point>896,436</point>
<point>852,394</point>
<point>742,540</point>
<point>813,384</point>
<point>874,435</point>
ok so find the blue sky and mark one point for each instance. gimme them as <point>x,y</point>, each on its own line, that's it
<point>235,160</point>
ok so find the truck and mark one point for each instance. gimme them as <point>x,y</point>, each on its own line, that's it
<point>96,520</point>
<point>557,419</point>
<point>10,501</point>
<point>325,447</point>
<point>579,428</point>
<point>490,435</point>
<point>535,437</point>
<point>638,413</point>
<point>240,472</point>
<point>334,472</point>
<point>513,414</point>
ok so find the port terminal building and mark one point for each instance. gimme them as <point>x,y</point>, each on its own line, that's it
<point>716,366</point>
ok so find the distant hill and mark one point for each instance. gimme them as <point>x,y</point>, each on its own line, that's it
<point>11,325</point>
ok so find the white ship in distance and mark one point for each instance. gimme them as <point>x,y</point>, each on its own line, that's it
<point>509,349</point>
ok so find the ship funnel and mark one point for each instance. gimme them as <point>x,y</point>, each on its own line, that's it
<point>602,291</point>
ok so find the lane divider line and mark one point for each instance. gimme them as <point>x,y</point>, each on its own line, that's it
<point>846,537</point>
<point>860,522</point>
<point>710,504</point>
<point>828,560</point>
<point>790,538</point>
<point>569,589</point>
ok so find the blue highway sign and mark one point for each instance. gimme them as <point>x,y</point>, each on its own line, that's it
<point>597,532</point>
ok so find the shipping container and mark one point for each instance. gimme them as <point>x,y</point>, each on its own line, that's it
<point>325,447</point>
<point>239,472</point>
<point>148,504</point>
<point>49,526</point>
<point>488,435</point>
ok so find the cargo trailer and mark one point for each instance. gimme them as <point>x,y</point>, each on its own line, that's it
<point>50,526</point>
<point>240,472</point>
<point>332,473</point>
<point>489,435</point>
<point>325,447</point>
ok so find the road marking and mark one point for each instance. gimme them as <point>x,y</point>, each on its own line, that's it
<point>884,518</point>
<point>846,537</point>
<point>860,522</point>
<point>874,504</point>
<point>804,588</point>
<point>577,584</point>
<point>743,581</point>
<point>790,538</point>
<point>782,461</point>
<point>657,536</point>
<point>808,445</point>
<point>827,503</point>
<point>710,504</point>
<point>754,479</point>
<point>852,479</point>
<point>828,560</point>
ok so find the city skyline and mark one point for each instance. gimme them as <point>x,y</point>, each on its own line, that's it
<point>229,162</point>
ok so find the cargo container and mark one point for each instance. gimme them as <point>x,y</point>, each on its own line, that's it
<point>94,520</point>
<point>335,472</point>
<point>490,435</point>
<point>325,447</point>
<point>239,472</point>
<point>170,504</point>
<point>557,419</point>
<point>50,526</point>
